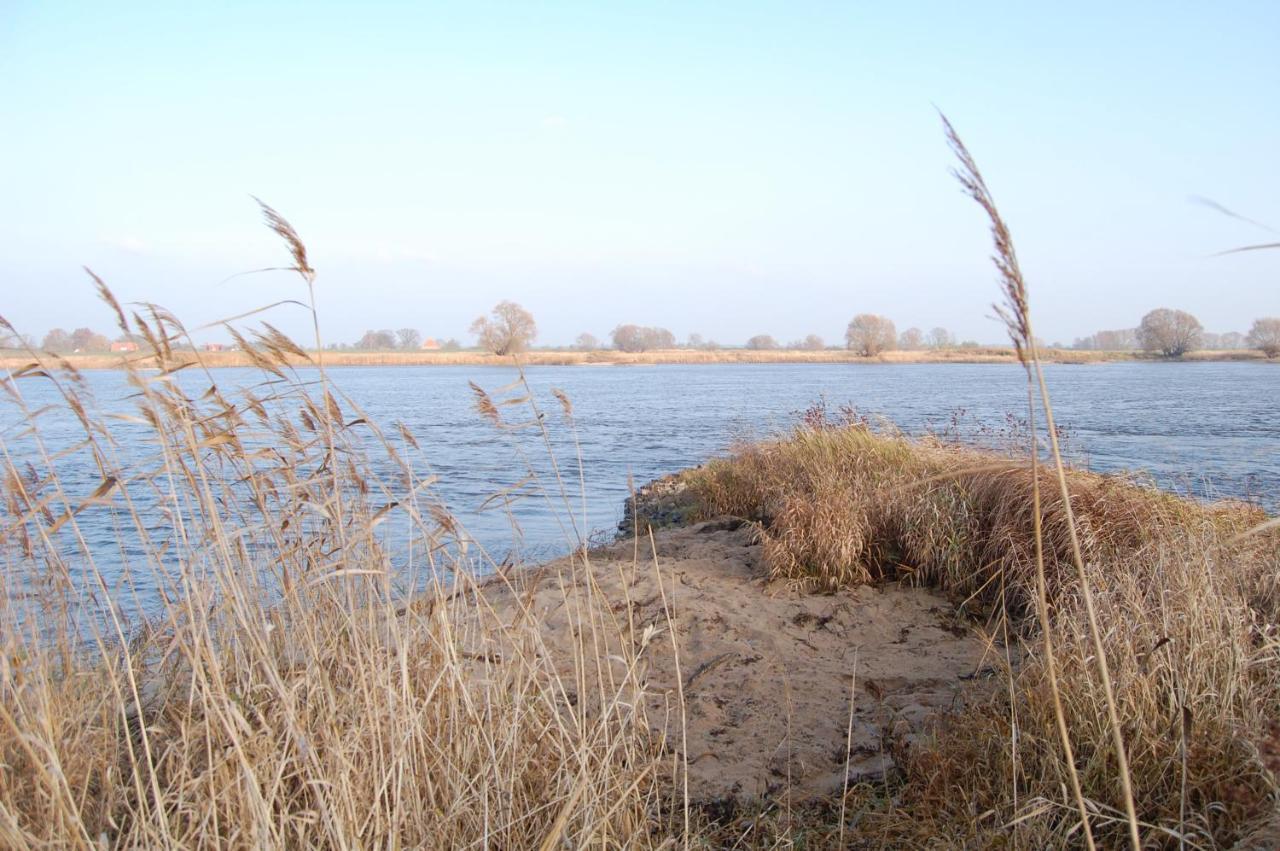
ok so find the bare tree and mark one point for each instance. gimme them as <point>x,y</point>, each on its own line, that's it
<point>661,338</point>
<point>586,342</point>
<point>761,342</point>
<point>869,335</point>
<point>1226,341</point>
<point>408,338</point>
<point>911,340</point>
<point>1265,336</point>
<point>628,338</point>
<point>940,338</point>
<point>695,341</point>
<point>1120,340</point>
<point>1232,341</point>
<point>811,343</point>
<point>377,340</point>
<point>637,338</point>
<point>57,340</point>
<point>1172,333</point>
<point>88,340</point>
<point>511,329</point>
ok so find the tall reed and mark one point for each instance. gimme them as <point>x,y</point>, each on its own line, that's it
<point>1144,668</point>
<point>258,626</point>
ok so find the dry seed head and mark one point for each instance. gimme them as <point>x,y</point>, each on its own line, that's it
<point>565,404</point>
<point>484,404</point>
<point>104,293</point>
<point>408,435</point>
<point>285,231</point>
<point>1014,312</point>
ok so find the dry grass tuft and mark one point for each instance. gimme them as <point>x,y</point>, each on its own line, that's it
<point>1188,610</point>
<point>841,504</point>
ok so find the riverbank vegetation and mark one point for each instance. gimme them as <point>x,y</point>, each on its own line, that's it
<point>256,626</point>
<point>19,358</point>
<point>511,330</point>
<point>299,651</point>
<point>1185,600</point>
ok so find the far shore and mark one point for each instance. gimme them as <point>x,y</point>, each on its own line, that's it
<point>15,360</point>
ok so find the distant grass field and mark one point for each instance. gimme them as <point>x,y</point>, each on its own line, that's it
<point>12,359</point>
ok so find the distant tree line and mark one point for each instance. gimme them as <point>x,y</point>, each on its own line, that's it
<point>1173,333</point>
<point>405,340</point>
<point>79,340</point>
<point>637,338</point>
<point>510,329</point>
<point>14,341</point>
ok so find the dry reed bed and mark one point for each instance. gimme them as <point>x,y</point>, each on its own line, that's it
<point>302,676</point>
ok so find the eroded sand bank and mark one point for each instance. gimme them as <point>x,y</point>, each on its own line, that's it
<point>765,670</point>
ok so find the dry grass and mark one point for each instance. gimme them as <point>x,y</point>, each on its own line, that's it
<point>843,504</point>
<point>304,676</point>
<point>1187,609</point>
<point>1144,675</point>
<point>317,667</point>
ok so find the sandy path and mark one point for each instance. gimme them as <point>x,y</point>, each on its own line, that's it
<point>766,670</point>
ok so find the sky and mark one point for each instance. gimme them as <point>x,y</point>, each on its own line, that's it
<point>727,169</point>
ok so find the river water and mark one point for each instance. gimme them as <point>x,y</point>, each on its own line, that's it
<point>1204,429</point>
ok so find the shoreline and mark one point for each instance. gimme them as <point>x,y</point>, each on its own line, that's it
<point>672,357</point>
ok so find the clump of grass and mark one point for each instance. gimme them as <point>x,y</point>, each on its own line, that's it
<point>294,651</point>
<point>842,504</point>
<point>1187,607</point>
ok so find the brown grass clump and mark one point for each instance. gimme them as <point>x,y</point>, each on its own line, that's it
<point>1188,611</point>
<point>840,504</point>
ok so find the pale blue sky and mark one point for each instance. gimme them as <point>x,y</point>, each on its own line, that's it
<point>729,169</point>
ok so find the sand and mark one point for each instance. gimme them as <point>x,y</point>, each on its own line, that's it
<point>766,670</point>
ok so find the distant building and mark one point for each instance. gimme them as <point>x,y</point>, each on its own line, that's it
<point>124,346</point>
<point>215,347</point>
<point>431,344</point>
